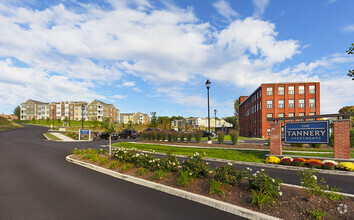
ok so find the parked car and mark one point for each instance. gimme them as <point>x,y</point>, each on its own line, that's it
<point>206,134</point>
<point>126,133</point>
<point>105,135</point>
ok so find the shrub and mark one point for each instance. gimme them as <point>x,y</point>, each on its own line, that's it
<point>168,163</point>
<point>317,214</point>
<point>158,174</point>
<point>127,155</point>
<point>346,166</point>
<point>298,162</point>
<point>77,151</point>
<point>331,140</point>
<point>286,161</point>
<point>184,178</point>
<point>188,137</point>
<point>221,137</point>
<point>181,137</point>
<point>125,167</point>
<point>298,145</point>
<point>141,171</point>
<point>272,159</point>
<point>113,164</point>
<point>264,189</point>
<point>169,136</point>
<point>262,181</point>
<point>174,136</point>
<point>143,136</point>
<point>309,181</point>
<point>198,136</point>
<point>268,141</point>
<point>104,161</point>
<point>328,166</point>
<point>352,137</point>
<point>316,145</point>
<point>314,164</point>
<point>226,173</point>
<point>156,136</point>
<point>234,136</point>
<point>196,166</point>
<point>216,187</point>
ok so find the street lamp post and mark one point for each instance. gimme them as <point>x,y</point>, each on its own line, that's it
<point>207,84</point>
<point>82,115</point>
<point>215,121</point>
<point>53,119</point>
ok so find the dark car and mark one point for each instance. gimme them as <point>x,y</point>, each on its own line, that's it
<point>126,133</point>
<point>206,134</point>
<point>105,135</point>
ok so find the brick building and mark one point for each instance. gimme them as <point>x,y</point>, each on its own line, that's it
<point>276,100</point>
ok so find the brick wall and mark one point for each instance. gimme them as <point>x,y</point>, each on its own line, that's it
<point>275,139</point>
<point>341,139</point>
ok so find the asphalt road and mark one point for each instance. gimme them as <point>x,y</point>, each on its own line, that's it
<point>36,182</point>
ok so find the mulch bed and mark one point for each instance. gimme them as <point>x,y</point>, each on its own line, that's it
<point>293,204</point>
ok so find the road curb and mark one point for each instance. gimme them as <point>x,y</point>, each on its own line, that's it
<point>233,209</point>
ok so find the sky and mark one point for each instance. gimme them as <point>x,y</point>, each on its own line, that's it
<point>155,56</point>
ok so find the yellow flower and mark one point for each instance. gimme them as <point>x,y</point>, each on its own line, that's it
<point>272,159</point>
<point>346,166</point>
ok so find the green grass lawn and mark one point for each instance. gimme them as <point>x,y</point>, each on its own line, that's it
<point>7,125</point>
<point>49,135</point>
<point>228,154</point>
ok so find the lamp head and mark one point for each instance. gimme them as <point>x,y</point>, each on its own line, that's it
<point>207,84</point>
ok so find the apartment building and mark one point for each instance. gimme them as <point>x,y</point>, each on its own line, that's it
<point>200,123</point>
<point>34,109</point>
<point>69,110</point>
<point>135,118</point>
<point>98,110</point>
<point>276,100</point>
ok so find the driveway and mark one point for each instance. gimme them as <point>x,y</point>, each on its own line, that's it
<point>36,182</point>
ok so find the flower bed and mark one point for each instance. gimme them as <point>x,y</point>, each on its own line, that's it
<point>252,190</point>
<point>311,163</point>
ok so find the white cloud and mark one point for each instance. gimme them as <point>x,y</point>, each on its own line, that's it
<point>64,53</point>
<point>128,84</point>
<point>119,97</point>
<point>225,9</point>
<point>348,28</point>
<point>260,6</point>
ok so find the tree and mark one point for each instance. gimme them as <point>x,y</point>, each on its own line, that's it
<point>351,51</point>
<point>347,109</point>
<point>17,112</point>
<point>236,105</point>
<point>230,119</point>
<point>153,120</point>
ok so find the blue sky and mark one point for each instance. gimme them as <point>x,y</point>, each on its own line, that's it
<point>154,56</point>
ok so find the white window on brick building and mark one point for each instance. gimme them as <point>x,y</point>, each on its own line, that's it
<point>280,103</point>
<point>291,90</point>
<point>269,103</point>
<point>291,103</point>
<point>269,90</point>
<point>269,115</point>
<point>312,89</point>
<point>281,90</point>
<point>312,103</point>
<point>301,89</point>
<point>291,115</point>
<point>268,131</point>
<point>301,103</point>
<point>302,114</point>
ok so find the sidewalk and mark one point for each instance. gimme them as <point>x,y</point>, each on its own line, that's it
<point>62,137</point>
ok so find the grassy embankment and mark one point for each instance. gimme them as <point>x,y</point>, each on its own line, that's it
<point>7,125</point>
<point>228,154</point>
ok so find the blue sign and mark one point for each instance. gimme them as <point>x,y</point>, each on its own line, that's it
<point>315,132</point>
<point>84,131</point>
